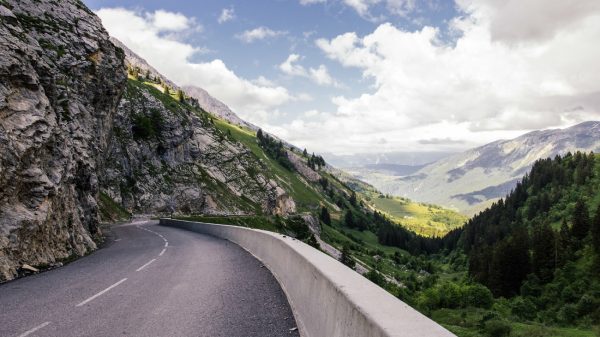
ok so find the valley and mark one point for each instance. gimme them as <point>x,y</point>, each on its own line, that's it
<point>501,240</point>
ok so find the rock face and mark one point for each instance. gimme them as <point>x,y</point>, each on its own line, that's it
<point>168,156</point>
<point>60,82</point>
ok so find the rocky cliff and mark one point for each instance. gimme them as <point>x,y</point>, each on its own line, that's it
<point>60,82</point>
<point>167,155</point>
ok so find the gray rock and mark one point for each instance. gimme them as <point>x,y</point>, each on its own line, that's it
<point>60,82</point>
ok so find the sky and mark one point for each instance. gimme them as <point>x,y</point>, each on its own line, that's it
<point>364,76</point>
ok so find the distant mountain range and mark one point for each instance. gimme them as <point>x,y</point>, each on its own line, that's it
<point>471,180</point>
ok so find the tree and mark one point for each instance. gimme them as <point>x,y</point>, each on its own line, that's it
<point>349,219</point>
<point>166,91</point>
<point>581,221</point>
<point>259,135</point>
<point>595,230</point>
<point>543,257</point>
<point>563,244</point>
<point>346,258</point>
<point>305,153</point>
<point>180,96</point>
<point>325,217</point>
<point>353,198</point>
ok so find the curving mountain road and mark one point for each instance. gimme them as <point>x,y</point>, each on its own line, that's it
<point>150,281</point>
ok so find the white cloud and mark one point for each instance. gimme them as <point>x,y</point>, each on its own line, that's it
<point>227,14</point>
<point>311,2</point>
<point>169,21</point>
<point>489,84</point>
<point>144,34</point>
<point>319,75</point>
<point>259,33</point>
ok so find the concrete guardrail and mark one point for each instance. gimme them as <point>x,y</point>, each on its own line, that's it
<point>327,298</point>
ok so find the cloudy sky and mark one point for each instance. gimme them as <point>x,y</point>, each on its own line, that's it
<point>356,76</point>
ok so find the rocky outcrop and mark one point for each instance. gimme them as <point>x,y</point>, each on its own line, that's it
<point>168,156</point>
<point>60,82</point>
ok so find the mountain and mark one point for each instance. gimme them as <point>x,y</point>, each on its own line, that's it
<point>471,180</point>
<point>61,82</point>
<point>209,103</point>
<point>541,244</point>
<point>369,160</point>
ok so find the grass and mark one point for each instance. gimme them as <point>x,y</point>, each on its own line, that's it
<point>305,196</point>
<point>424,219</point>
<point>110,210</point>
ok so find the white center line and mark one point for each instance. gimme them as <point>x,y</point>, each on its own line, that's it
<point>162,252</point>
<point>146,265</point>
<point>166,244</point>
<point>29,332</point>
<point>100,293</point>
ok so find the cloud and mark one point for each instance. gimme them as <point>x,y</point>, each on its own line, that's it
<point>443,141</point>
<point>227,14</point>
<point>259,33</point>
<point>144,33</point>
<point>319,75</point>
<point>485,85</point>
<point>311,2</point>
<point>517,20</point>
<point>169,21</point>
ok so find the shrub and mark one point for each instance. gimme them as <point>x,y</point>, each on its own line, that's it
<point>497,328</point>
<point>477,295</point>
<point>523,308</point>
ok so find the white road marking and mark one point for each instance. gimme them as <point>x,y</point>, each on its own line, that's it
<point>117,240</point>
<point>146,265</point>
<point>29,332</point>
<point>101,293</point>
<point>160,235</point>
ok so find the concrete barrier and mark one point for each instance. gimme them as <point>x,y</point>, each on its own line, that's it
<point>328,299</point>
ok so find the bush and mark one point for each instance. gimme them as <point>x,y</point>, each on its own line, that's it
<point>477,295</point>
<point>523,308</point>
<point>497,328</point>
<point>567,314</point>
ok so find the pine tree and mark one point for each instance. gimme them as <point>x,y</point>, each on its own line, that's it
<point>180,96</point>
<point>563,244</point>
<point>581,221</point>
<point>346,258</point>
<point>595,230</point>
<point>166,91</point>
<point>349,219</point>
<point>325,217</point>
<point>305,153</point>
<point>353,198</point>
<point>543,257</point>
<point>259,135</point>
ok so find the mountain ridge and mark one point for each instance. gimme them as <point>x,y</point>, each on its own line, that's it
<point>471,180</point>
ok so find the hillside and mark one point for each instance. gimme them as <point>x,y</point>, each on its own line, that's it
<point>424,219</point>
<point>472,180</point>
<point>540,246</point>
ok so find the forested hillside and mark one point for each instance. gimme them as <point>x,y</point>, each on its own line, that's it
<point>540,246</point>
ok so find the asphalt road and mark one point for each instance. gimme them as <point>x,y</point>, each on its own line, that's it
<point>150,281</point>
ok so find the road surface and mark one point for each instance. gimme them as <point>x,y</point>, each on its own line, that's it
<point>150,281</point>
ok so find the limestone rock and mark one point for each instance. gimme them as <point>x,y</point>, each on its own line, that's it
<point>60,81</point>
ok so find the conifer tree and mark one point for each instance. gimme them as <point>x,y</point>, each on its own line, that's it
<point>595,230</point>
<point>180,96</point>
<point>581,221</point>
<point>543,257</point>
<point>324,216</point>
<point>563,244</point>
<point>346,258</point>
<point>166,91</point>
<point>349,219</point>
